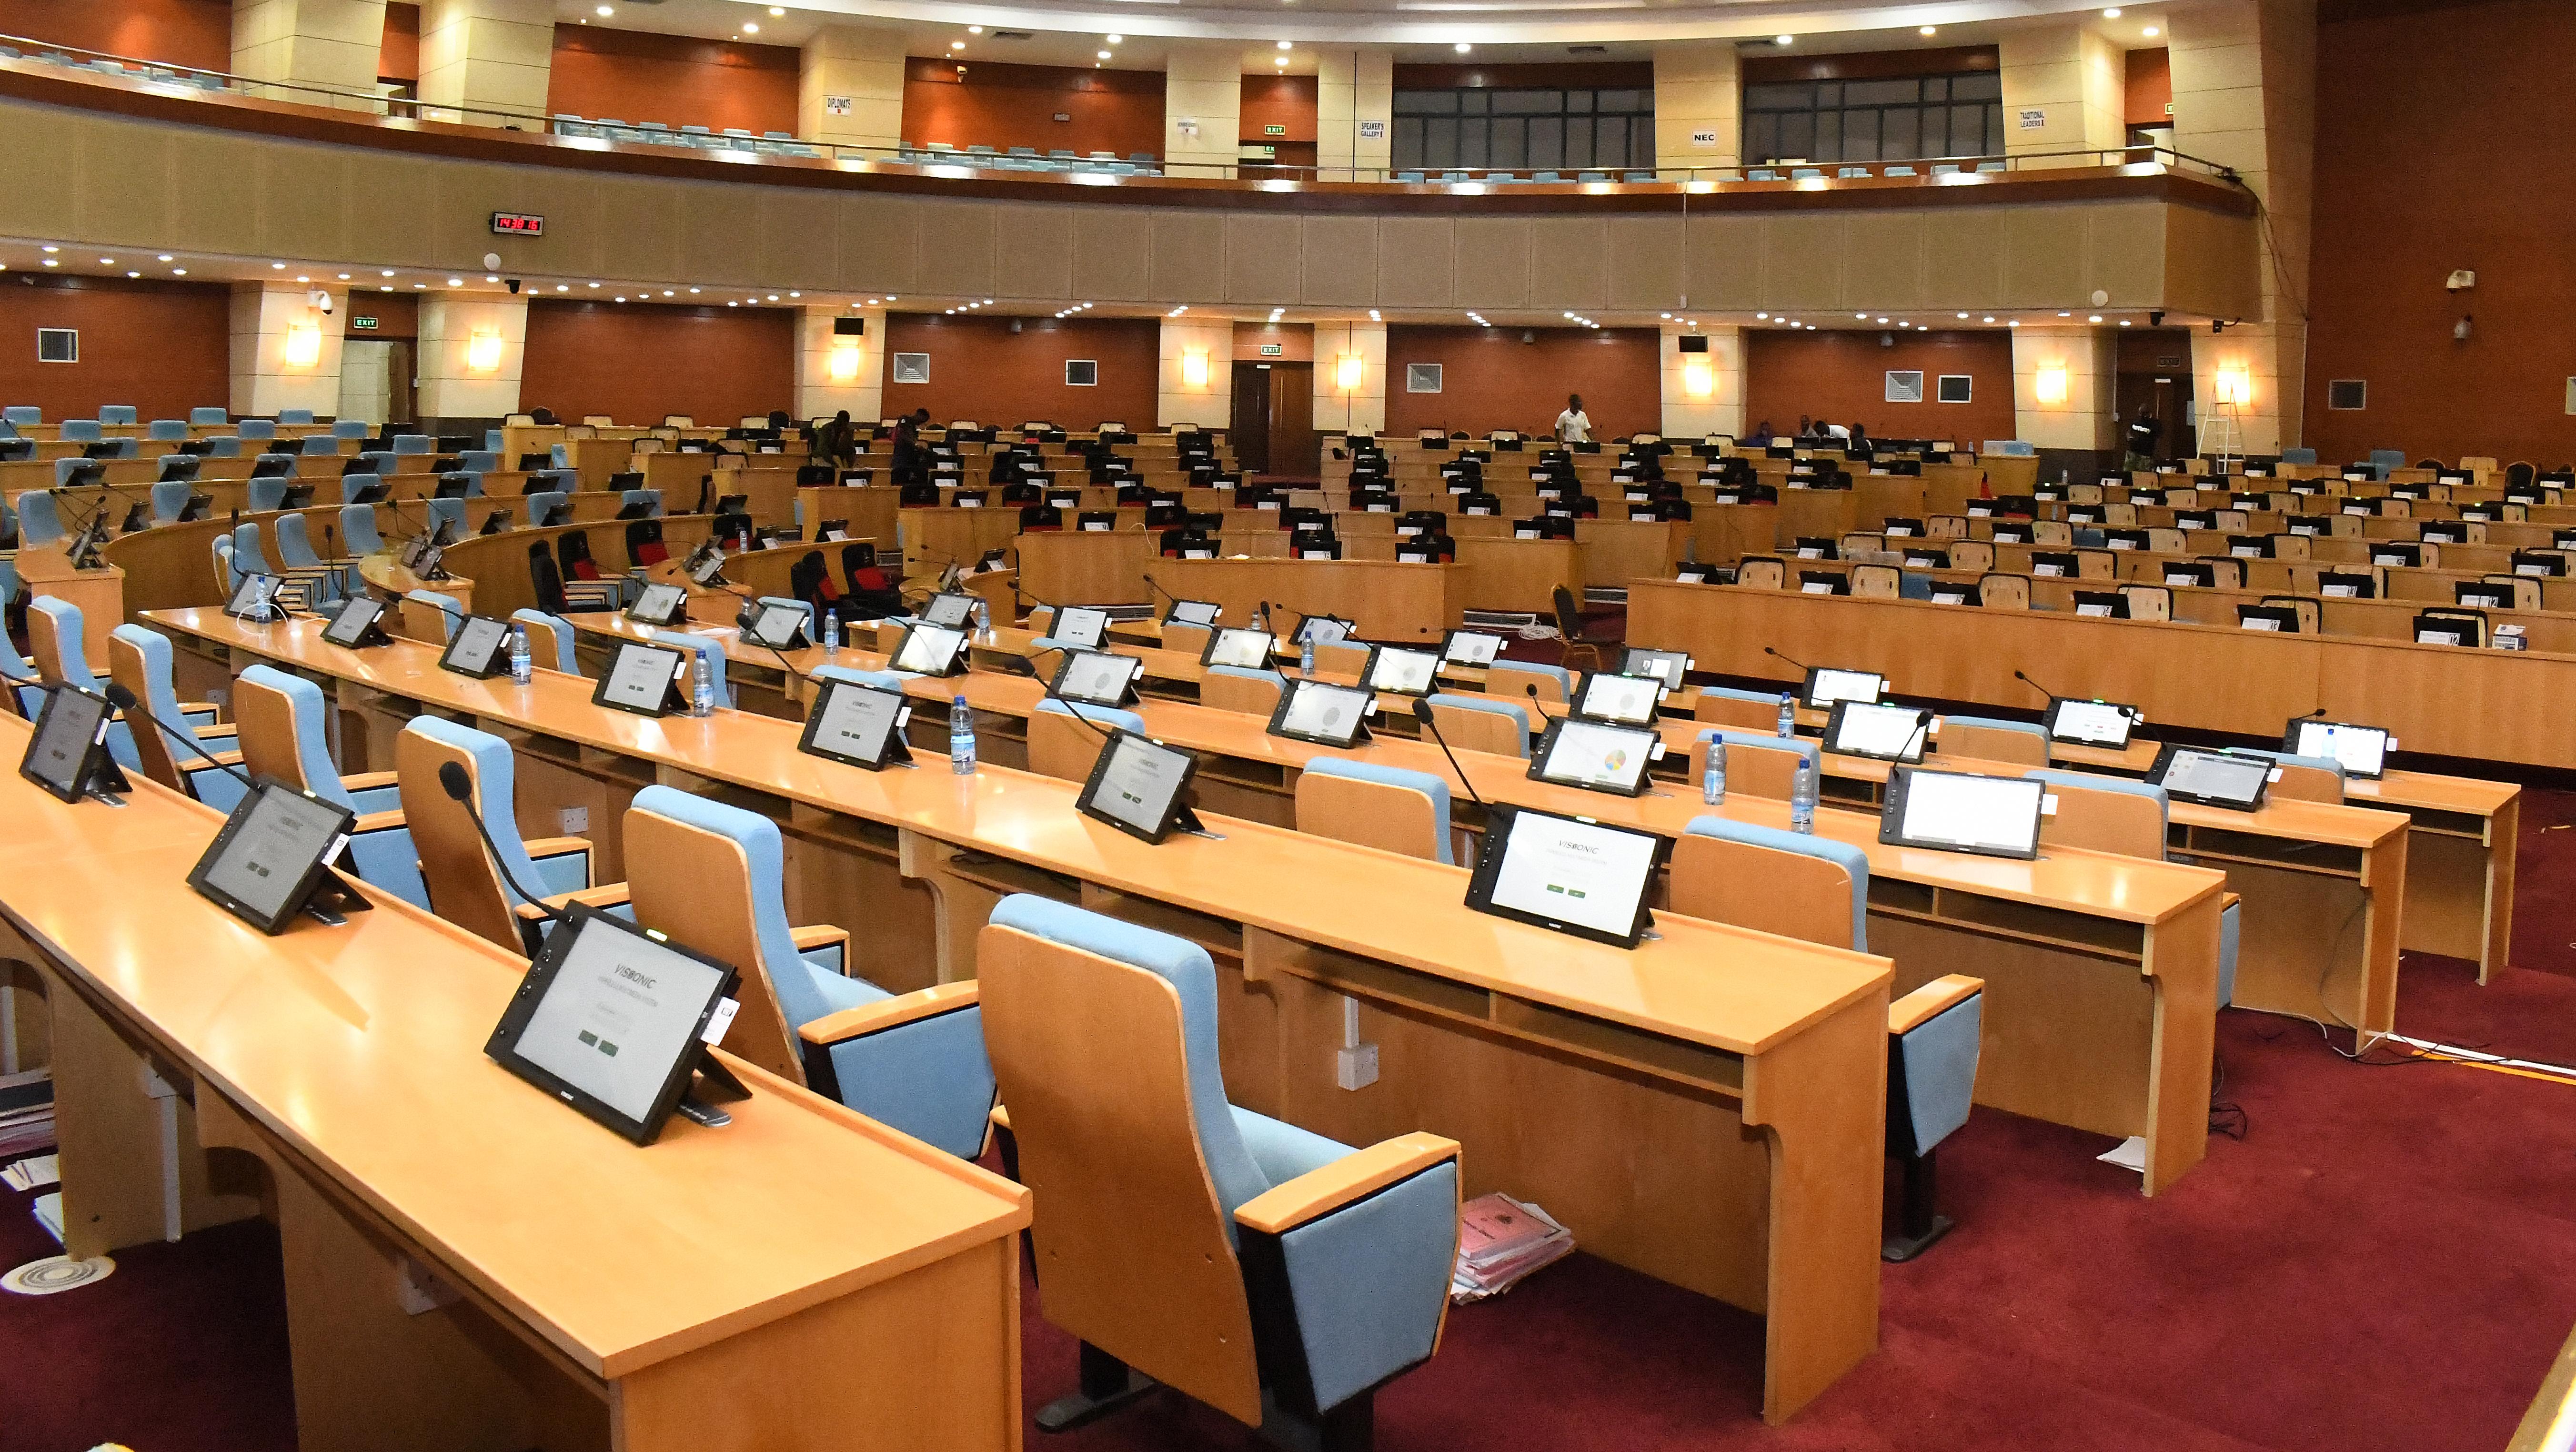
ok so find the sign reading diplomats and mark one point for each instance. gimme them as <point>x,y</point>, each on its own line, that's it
<point>518,224</point>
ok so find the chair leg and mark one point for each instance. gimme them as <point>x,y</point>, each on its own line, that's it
<point>1105,1384</point>
<point>1918,1225</point>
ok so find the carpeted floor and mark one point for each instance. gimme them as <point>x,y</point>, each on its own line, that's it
<point>2383,1261</point>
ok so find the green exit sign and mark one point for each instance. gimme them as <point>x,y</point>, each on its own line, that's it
<point>1274,129</point>
<point>1271,350</point>
<point>361,323</point>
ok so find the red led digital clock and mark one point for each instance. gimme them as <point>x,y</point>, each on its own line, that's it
<point>518,224</point>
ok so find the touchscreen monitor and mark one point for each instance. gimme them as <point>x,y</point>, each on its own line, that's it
<point>858,724</point>
<point>1994,816</point>
<point>1194,612</point>
<point>1469,648</point>
<point>1235,645</point>
<point>1592,755</point>
<point>355,625</point>
<point>271,854</point>
<point>1401,671</point>
<point>929,650</point>
<point>1096,678</point>
<point>254,597</point>
<point>69,748</point>
<point>1136,786</point>
<point>2211,778</point>
<point>952,609</point>
<point>1883,733</point>
<point>480,648</point>
<point>661,605</point>
<point>780,627</point>
<point>1571,874</point>
<point>1321,712</point>
<point>1826,685</point>
<point>610,1019</point>
<point>640,678</point>
<point>1622,700</point>
<point>2090,723</point>
<point>2363,750</point>
<point>1668,666</point>
<point>1079,625</point>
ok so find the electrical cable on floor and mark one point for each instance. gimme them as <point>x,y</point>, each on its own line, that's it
<point>2225,1118</point>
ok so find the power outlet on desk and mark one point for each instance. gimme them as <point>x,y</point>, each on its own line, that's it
<point>1356,1066</point>
<point>576,821</point>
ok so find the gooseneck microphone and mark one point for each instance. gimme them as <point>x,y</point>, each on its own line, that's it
<point>1802,665</point>
<point>460,790</point>
<point>1423,713</point>
<point>123,700</point>
<point>1531,690</point>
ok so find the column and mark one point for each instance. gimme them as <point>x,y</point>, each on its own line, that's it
<point>2073,79</point>
<point>1197,383</point>
<point>2244,80</point>
<point>1354,111</point>
<point>2062,389</point>
<point>849,88</point>
<point>1703,392</point>
<point>329,43</point>
<point>285,350</point>
<point>1699,112</point>
<point>471,349</point>
<point>1350,378</point>
<point>478,54</point>
<point>835,370</point>
<point>1202,107</point>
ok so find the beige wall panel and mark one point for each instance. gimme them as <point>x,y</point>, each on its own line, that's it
<point>1802,261</point>
<point>880,243</point>
<point>37,202</point>
<point>1413,262</point>
<point>956,251</point>
<point>1883,261</point>
<point>1963,259</point>
<point>1188,257</point>
<point>1644,262</point>
<point>1569,263</point>
<point>799,236</point>
<point>304,198</point>
<point>457,229</point>
<point>207,208</point>
<point>1339,262</point>
<point>1033,254</point>
<point>2211,263</point>
<point>1492,262</point>
<point>1263,258</point>
<point>717,225</point>
<point>1111,260</point>
<point>2044,257</point>
<point>1722,261</point>
<point>639,232</point>
<point>125,194</point>
<point>2125,247</point>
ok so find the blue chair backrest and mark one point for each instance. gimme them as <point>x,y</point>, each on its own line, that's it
<point>495,795</point>
<point>22,413</point>
<point>294,545</point>
<point>542,501</point>
<point>63,470</point>
<point>170,499</point>
<point>480,461</point>
<point>352,485</point>
<point>232,575</point>
<point>349,428</point>
<point>445,511</point>
<point>1436,788</point>
<point>413,443</point>
<point>1500,676</point>
<point>82,431</point>
<point>166,430</point>
<point>119,413</point>
<point>262,429</point>
<point>433,606</point>
<point>565,660</point>
<point>295,416</point>
<point>21,673</point>
<point>652,498</point>
<point>358,528</point>
<point>2081,781</point>
<point>210,416</point>
<point>318,444</point>
<point>249,555</point>
<point>376,461</point>
<point>223,446</point>
<point>764,860</point>
<point>1805,746</point>
<point>68,640</point>
<point>2298,456</point>
<point>1520,717</point>
<point>784,603</point>
<point>700,645</point>
<point>887,680</point>
<point>265,495</point>
<point>38,523</point>
<point>1102,717</point>
<point>160,697</point>
<point>1842,854</point>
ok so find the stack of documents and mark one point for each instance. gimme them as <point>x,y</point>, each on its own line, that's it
<point>1501,1240</point>
<point>26,1112</point>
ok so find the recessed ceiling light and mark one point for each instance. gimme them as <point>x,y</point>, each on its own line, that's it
<point>133,274</point>
<point>563,287</point>
<point>1279,60</point>
<point>1104,55</point>
<point>388,272</point>
<point>53,262</point>
<point>107,262</point>
<point>1860,317</point>
<point>1990,319</point>
<point>693,292</point>
<point>607,10</point>
<point>594,284</point>
<point>1784,40</point>
<point>281,267</point>
<point>2111,14</point>
<point>1115,39</point>
<point>491,277</point>
<point>777,9</point>
<point>1462,47</point>
<point>417,286</point>
<point>666,292</point>
<point>974,30</point>
<point>166,257</point>
<point>2097,317</point>
<point>2124,322</point>
<point>1928,30</point>
<point>50,247</point>
<point>2149,32</point>
<point>621,297</point>
<point>749,27</point>
<point>2015,323</point>
<point>1762,317</point>
<point>956,45</point>
<point>344,277</point>
<point>303,279</point>
<point>729,302</point>
<point>456,282</point>
<point>1287,45</point>
<point>178,272</point>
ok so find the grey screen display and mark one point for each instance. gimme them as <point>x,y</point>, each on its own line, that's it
<point>617,1016</point>
<point>285,834</point>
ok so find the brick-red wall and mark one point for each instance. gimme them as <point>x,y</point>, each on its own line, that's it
<point>165,347</point>
<point>1003,106</point>
<point>677,80</point>
<point>637,362</point>
<point>1490,379</point>
<point>1841,377</point>
<point>981,370</point>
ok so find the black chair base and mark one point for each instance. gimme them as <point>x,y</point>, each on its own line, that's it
<point>1902,1245</point>
<point>1918,1225</point>
<point>1105,1385</point>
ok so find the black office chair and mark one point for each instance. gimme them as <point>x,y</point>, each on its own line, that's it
<point>1569,625</point>
<point>545,580</point>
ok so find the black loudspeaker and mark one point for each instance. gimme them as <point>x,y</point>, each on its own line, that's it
<point>849,327</point>
<point>1694,343</point>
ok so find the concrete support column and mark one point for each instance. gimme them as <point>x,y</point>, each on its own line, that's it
<point>1699,105</point>
<point>330,43</point>
<point>1202,108</point>
<point>2075,79</point>
<point>2062,389</point>
<point>1350,378</point>
<point>2244,77</point>
<point>1197,382</point>
<point>836,371</point>
<point>1354,112</point>
<point>1703,392</point>
<point>478,54</point>
<point>285,351</point>
<point>469,357</point>
<point>849,87</point>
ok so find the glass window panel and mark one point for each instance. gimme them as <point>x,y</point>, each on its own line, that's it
<point>1977,86</point>
<point>1641,141</point>
<point>1898,127</point>
<point>1547,142</point>
<point>1473,143</point>
<point>1575,103</point>
<point>1828,145</point>
<point>1426,103</point>
<point>1798,134</point>
<point>1994,131</point>
<point>1630,101</point>
<point>1829,94</point>
<point>1406,143</point>
<point>1473,103</point>
<point>1936,88</point>
<point>1510,144</point>
<point>1860,136</point>
<point>1440,142</point>
<point>1967,130</point>
<point>1882,93</point>
<point>1761,136</point>
<point>1610,140</point>
<point>1796,97</point>
<point>1525,103</point>
<point>1578,142</point>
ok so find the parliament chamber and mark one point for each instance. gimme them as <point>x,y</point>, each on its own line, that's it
<point>1331,725</point>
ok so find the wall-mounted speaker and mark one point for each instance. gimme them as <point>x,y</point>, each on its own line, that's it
<point>849,327</point>
<point>1694,343</point>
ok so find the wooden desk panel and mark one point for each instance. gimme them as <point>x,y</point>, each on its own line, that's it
<point>1520,574</point>
<point>933,539</point>
<point>1389,601</point>
<point>1616,551</point>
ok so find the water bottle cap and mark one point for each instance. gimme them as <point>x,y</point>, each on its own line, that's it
<point>957,700</point>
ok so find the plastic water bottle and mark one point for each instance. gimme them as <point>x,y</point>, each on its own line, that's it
<point>1306,655</point>
<point>1802,797</point>
<point>961,738</point>
<point>702,685</point>
<point>983,615</point>
<point>831,635</point>
<point>522,669</point>
<point>1712,780</point>
<point>1788,715</point>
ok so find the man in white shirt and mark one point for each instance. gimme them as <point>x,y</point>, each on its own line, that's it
<point>1573,426</point>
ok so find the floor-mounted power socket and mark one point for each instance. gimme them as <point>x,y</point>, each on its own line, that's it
<point>576,821</point>
<point>1355,1067</point>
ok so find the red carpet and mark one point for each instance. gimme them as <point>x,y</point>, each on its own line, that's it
<point>2382,1262</point>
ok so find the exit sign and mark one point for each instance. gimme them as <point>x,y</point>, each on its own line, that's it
<point>1274,129</point>
<point>1271,350</point>
<point>361,323</point>
<point>518,224</point>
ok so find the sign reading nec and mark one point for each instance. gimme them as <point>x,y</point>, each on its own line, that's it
<point>518,224</point>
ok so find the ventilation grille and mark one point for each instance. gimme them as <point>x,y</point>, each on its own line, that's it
<point>1015,35</point>
<point>1081,373</point>
<point>57,345</point>
<point>912,368</point>
<point>1422,378</point>
<point>2350,395</point>
<point>1957,388</point>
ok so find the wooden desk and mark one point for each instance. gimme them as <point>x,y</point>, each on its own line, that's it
<point>1754,1066</point>
<point>601,1296</point>
<point>933,539</point>
<point>1616,551</point>
<point>98,594</point>
<point>1388,601</point>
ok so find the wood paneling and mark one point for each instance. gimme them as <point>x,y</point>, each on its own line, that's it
<point>2411,184</point>
<point>1296,342</point>
<point>1871,64</point>
<point>164,347</point>
<point>675,79</point>
<point>1640,74</point>
<point>981,370</point>
<point>637,362</point>
<point>1287,101</point>
<point>397,314</point>
<point>979,103</point>
<point>1490,379</point>
<point>1841,377</point>
<point>195,33</point>
<point>399,58</point>
<point>2149,88</point>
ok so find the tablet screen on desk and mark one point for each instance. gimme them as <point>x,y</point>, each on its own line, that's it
<point>1237,646</point>
<point>1620,700</point>
<point>609,1020</point>
<point>855,723</point>
<point>271,851</point>
<point>481,648</point>
<point>2363,750</point>
<point>2090,723</point>
<point>658,605</point>
<point>780,627</point>
<point>1194,612</point>
<point>639,678</point>
<point>256,595</point>
<point>1994,816</point>
<point>1567,873</point>
<point>70,731</point>
<point>350,626</point>
<point>1882,733</point>
<point>1668,666</point>
<point>1826,685</point>
<point>929,650</point>
<point>1095,678</point>
<point>1306,628</point>
<point>1469,648</point>
<point>2212,778</point>
<point>1598,757</point>
<point>1136,785</point>
<point>951,609</point>
<point>709,568</point>
<point>1401,671</point>
<point>1079,624</point>
<point>1321,712</point>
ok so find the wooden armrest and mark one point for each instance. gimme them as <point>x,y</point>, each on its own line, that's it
<point>224,731</point>
<point>226,758</point>
<point>1352,1177</point>
<point>2228,900</point>
<point>893,1012</point>
<point>1932,998</point>
<point>192,708</point>
<point>1001,1117</point>
<point>555,846</point>
<point>378,821</point>
<point>821,935</point>
<point>605,897</point>
<point>367,781</point>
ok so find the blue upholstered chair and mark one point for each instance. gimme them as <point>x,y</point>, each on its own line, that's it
<point>22,415</point>
<point>209,417</point>
<point>1757,763</point>
<point>82,431</point>
<point>430,605</point>
<point>550,640</point>
<point>262,429</point>
<point>2298,456</point>
<point>1376,806</point>
<point>2115,814</point>
<point>358,529</point>
<point>318,445</point>
<point>56,640</point>
<point>227,574</point>
<point>463,883</point>
<point>223,446</point>
<point>265,496</point>
<point>166,431</point>
<point>710,877</point>
<point>1481,723</point>
<point>21,677</point>
<point>650,499</point>
<point>353,485</point>
<point>377,461</point>
<point>1515,677</point>
<point>1269,1272</point>
<point>2383,460</point>
<point>64,469</point>
<point>284,728</point>
<point>480,461</point>
<point>1741,710</point>
<point>543,503</point>
<point>700,645</point>
<point>1248,689</point>
<point>250,556</point>
<point>38,521</point>
<point>119,415</point>
<point>300,562</point>
<point>170,500</point>
<point>1782,882</point>
<point>812,631</point>
<point>1064,745</point>
<point>139,660</point>
<point>414,444</point>
<point>450,512</point>
<point>884,680</point>
<point>1993,738</point>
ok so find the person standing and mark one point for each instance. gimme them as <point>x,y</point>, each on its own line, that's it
<point>1573,426</point>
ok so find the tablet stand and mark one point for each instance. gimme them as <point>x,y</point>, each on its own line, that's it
<point>104,779</point>
<point>333,899</point>
<point>712,1074</point>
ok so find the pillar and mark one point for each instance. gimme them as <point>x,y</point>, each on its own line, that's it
<point>2244,79</point>
<point>1354,112</point>
<point>1197,381</point>
<point>285,351</point>
<point>471,349</point>
<point>2062,389</point>
<point>475,54</point>
<point>1350,396</point>
<point>2075,80</point>
<point>836,371</point>
<point>1703,392</point>
<point>1202,107</point>
<point>333,43</point>
<point>849,88</point>
<point>1699,105</point>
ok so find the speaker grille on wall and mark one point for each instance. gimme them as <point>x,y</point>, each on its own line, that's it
<point>57,345</point>
<point>1422,378</point>
<point>1081,372</point>
<point>912,368</point>
<point>2349,395</point>
<point>849,327</point>
<point>1694,343</point>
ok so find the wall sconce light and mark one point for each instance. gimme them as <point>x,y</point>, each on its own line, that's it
<point>842,364</point>
<point>2233,384</point>
<point>483,350</point>
<point>1194,368</point>
<point>2051,383</point>
<point>1346,372</point>
<point>303,344</point>
<point>1699,380</point>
